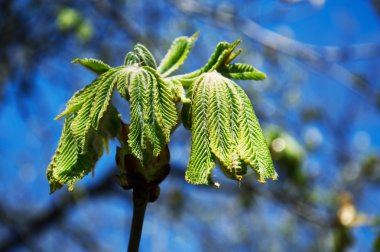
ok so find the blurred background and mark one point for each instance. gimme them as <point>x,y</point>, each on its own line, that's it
<point>319,107</point>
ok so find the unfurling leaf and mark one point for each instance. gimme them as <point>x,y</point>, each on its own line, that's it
<point>177,90</point>
<point>224,128</point>
<point>97,66</point>
<point>94,106</point>
<point>222,55</point>
<point>71,163</point>
<point>176,55</point>
<point>201,161</point>
<point>153,112</point>
<point>242,71</point>
<point>77,100</point>
<point>140,56</point>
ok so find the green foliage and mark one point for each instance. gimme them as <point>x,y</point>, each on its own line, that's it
<point>72,162</point>
<point>216,110</point>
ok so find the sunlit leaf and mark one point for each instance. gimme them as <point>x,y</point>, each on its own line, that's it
<point>242,71</point>
<point>93,108</point>
<point>70,163</point>
<point>201,164</point>
<point>77,100</point>
<point>97,66</point>
<point>153,112</point>
<point>221,56</point>
<point>176,55</point>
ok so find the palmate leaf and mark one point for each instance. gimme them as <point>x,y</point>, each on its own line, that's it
<point>220,60</point>
<point>153,111</point>
<point>224,127</point>
<point>83,138</point>
<point>176,55</point>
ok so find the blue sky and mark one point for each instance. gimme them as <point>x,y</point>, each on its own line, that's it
<point>28,141</point>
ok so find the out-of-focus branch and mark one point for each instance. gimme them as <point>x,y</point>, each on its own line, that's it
<point>349,52</point>
<point>293,204</point>
<point>131,28</point>
<point>298,49</point>
<point>82,236</point>
<point>25,231</point>
<point>314,56</point>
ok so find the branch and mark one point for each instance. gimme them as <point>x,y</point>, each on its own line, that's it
<point>140,200</point>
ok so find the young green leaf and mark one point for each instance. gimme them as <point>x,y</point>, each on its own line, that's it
<point>176,55</point>
<point>252,147</point>
<point>241,71</point>
<point>177,90</point>
<point>93,107</point>
<point>102,98</point>
<point>140,56</point>
<point>153,112</point>
<point>219,118</point>
<point>69,164</point>
<point>201,163</point>
<point>145,56</point>
<point>224,52</point>
<point>131,58</point>
<point>165,109</point>
<point>123,78</point>
<point>97,66</point>
<point>221,56</point>
<point>77,100</point>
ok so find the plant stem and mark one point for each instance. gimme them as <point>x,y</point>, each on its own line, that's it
<point>140,200</point>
